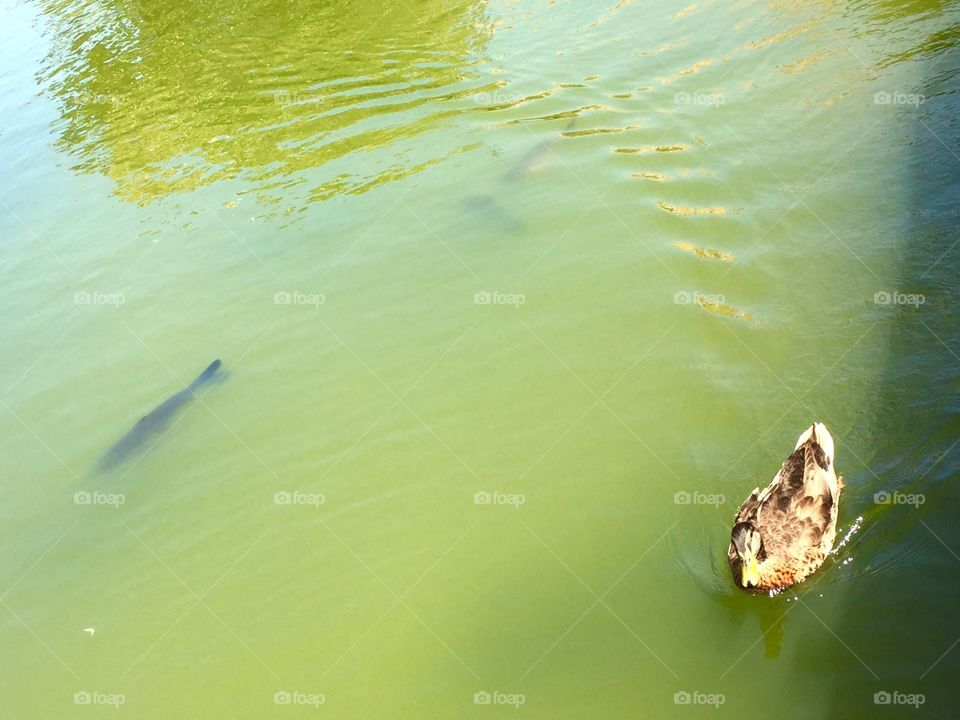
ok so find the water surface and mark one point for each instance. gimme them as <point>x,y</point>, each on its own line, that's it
<point>516,302</point>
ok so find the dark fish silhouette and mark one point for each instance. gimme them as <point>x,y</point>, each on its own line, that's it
<point>484,207</point>
<point>486,210</point>
<point>154,422</point>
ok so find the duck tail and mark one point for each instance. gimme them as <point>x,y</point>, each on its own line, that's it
<point>818,433</point>
<point>820,446</point>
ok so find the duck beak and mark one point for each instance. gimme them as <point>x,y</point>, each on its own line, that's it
<point>749,572</point>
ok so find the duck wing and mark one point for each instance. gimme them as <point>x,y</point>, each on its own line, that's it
<point>749,508</point>
<point>801,508</point>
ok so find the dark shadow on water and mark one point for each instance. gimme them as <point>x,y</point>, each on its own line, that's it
<point>879,622</point>
<point>487,211</point>
<point>900,625</point>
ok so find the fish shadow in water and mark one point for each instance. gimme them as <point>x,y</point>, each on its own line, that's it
<point>487,212</point>
<point>157,420</point>
<point>485,209</point>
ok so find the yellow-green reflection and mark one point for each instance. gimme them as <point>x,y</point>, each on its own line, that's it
<point>169,97</point>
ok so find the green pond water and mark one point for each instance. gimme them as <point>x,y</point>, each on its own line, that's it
<point>515,303</point>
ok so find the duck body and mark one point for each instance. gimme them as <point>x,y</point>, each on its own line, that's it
<point>781,535</point>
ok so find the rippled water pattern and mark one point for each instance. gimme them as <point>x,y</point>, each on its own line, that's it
<point>514,303</point>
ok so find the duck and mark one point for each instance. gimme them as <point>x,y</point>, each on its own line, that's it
<point>783,534</point>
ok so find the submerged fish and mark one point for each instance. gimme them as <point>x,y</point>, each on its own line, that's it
<point>485,209</point>
<point>540,155</point>
<point>533,161</point>
<point>154,422</point>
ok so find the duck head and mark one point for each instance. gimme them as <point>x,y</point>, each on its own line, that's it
<point>748,545</point>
